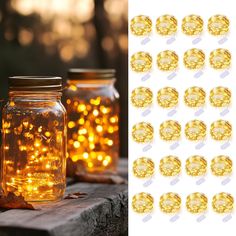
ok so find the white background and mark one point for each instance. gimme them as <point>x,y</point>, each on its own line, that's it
<point>187,224</point>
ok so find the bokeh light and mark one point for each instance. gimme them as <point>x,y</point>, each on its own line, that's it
<point>47,37</point>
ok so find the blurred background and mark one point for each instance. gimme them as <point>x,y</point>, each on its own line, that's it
<point>46,37</point>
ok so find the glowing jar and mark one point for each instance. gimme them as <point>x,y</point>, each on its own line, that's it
<point>34,139</point>
<point>91,101</point>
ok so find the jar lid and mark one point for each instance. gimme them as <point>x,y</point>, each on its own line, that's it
<point>35,83</point>
<point>91,74</point>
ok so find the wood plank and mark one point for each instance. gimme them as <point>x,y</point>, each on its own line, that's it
<point>104,211</point>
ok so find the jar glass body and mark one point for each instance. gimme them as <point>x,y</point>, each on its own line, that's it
<point>93,128</point>
<point>34,145</point>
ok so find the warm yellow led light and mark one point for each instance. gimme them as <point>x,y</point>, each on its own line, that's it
<point>220,59</point>
<point>166,25</point>
<point>141,62</point>
<point>141,25</point>
<point>221,130</point>
<point>195,130</point>
<point>170,166</point>
<point>196,203</point>
<point>194,59</point>
<point>142,132</point>
<point>170,203</point>
<point>141,97</point>
<point>220,97</point>
<point>167,60</point>
<point>218,25</point>
<point>170,130</point>
<point>71,124</point>
<point>223,203</point>
<point>194,97</point>
<point>196,166</point>
<point>192,25</point>
<point>142,202</point>
<point>168,97</point>
<point>221,165</point>
<point>143,167</point>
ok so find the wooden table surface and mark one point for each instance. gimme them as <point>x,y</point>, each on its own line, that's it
<point>103,212</point>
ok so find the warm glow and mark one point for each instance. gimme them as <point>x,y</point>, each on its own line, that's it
<point>96,101</point>
<point>34,176</point>
<point>47,134</point>
<point>115,7</point>
<point>40,128</point>
<point>108,43</point>
<point>85,155</point>
<point>66,18</point>
<point>109,142</point>
<point>81,108</point>
<point>73,88</point>
<point>81,121</point>
<point>25,37</point>
<point>95,112</point>
<point>82,131</point>
<point>99,128</point>
<point>71,28</point>
<point>76,144</point>
<point>71,124</point>
<point>123,42</point>
<point>94,138</point>
<point>105,162</point>
<point>81,10</point>
<point>81,48</point>
<point>67,52</point>
<point>81,138</point>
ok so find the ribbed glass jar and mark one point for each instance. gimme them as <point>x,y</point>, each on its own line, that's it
<point>91,101</point>
<point>34,139</point>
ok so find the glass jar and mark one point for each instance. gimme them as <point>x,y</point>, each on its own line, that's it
<point>34,139</point>
<point>91,101</point>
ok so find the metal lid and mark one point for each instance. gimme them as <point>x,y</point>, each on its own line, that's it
<point>91,74</point>
<point>35,83</point>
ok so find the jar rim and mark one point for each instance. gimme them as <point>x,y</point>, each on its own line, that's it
<point>91,74</point>
<point>35,83</point>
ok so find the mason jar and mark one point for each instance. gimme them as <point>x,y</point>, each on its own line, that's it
<point>34,139</point>
<point>91,101</point>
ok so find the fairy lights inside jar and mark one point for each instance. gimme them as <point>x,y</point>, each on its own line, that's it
<point>93,115</point>
<point>34,139</point>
